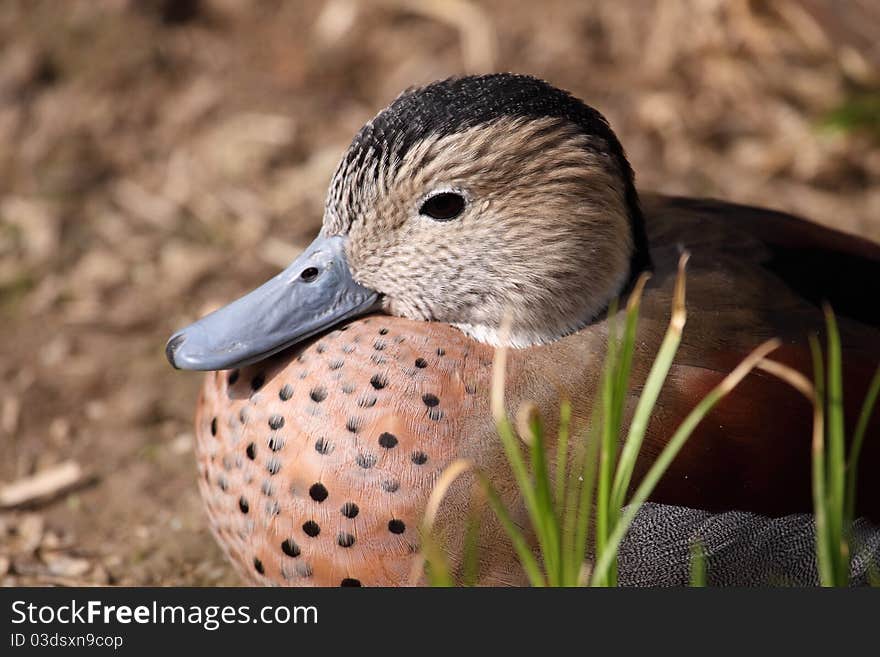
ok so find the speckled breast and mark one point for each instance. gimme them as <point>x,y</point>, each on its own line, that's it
<point>316,464</point>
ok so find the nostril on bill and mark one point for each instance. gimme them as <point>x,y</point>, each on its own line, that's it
<point>309,274</point>
<point>172,347</point>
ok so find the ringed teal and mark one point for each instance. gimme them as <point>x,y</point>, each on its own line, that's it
<point>355,376</point>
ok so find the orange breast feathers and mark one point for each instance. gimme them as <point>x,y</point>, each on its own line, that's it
<point>316,464</point>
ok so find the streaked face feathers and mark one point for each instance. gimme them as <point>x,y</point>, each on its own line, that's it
<point>545,234</point>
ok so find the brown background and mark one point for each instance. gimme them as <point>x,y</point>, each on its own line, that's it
<point>158,158</point>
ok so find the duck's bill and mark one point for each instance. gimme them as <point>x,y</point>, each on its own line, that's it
<point>314,293</point>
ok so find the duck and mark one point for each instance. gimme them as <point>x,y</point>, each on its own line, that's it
<point>498,211</point>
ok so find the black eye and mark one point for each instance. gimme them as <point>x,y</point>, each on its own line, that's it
<point>309,274</point>
<point>443,206</point>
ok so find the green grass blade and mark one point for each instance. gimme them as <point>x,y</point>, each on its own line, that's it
<point>824,560</point>
<point>436,566</point>
<point>671,450</point>
<point>546,512</point>
<point>852,465</point>
<point>587,480</point>
<point>605,516</point>
<point>562,451</point>
<point>621,385</point>
<point>836,454</point>
<point>526,486</point>
<point>651,391</point>
<point>575,525</point>
<point>698,565</point>
<point>520,545</point>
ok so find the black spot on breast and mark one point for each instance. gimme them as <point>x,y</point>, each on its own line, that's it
<point>243,505</point>
<point>318,492</point>
<point>349,510</point>
<point>396,526</point>
<point>290,548</point>
<point>323,446</point>
<point>344,539</point>
<point>387,440</point>
<point>276,422</point>
<point>366,461</point>
<point>430,400</point>
<point>378,381</point>
<point>214,426</point>
<point>421,363</point>
<point>286,392</point>
<point>251,451</point>
<point>348,581</point>
<point>311,528</point>
<point>258,566</point>
<point>419,458</point>
<point>318,394</point>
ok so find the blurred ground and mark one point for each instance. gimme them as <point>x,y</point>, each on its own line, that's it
<point>159,157</point>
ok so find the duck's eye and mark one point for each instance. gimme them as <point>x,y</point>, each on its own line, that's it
<point>443,206</point>
<point>309,274</point>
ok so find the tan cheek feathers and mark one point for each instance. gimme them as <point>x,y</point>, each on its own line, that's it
<point>556,267</point>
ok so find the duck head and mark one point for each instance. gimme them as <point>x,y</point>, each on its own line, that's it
<point>466,201</point>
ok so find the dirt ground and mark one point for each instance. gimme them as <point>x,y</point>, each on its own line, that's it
<point>159,157</point>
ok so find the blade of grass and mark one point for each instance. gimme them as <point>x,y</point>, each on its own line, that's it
<point>580,485</point>
<point>520,545</point>
<point>855,449</point>
<point>472,538</point>
<point>651,391</point>
<point>587,480</point>
<point>618,374</point>
<point>824,560</point>
<point>562,450</point>
<point>608,452</point>
<point>698,565</point>
<point>431,554</point>
<point>530,421</point>
<point>508,439</point>
<point>671,451</point>
<point>628,346</point>
<point>436,566</point>
<point>836,459</point>
<point>447,477</point>
<point>514,454</point>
